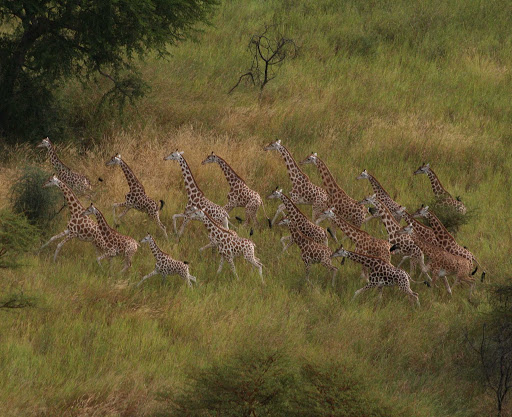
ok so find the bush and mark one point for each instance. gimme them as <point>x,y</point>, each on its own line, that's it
<point>266,383</point>
<point>451,218</point>
<point>28,197</point>
<point>17,236</point>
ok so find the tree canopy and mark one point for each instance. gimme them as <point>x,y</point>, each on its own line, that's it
<point>43,42</point>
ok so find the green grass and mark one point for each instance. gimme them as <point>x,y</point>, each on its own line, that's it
<point>382,86</point>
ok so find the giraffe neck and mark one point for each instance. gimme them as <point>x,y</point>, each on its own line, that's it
<point>437,187</point>
<point>377,188</point>
<point>155,250</point>
<point>297,236</point>
<point>351,231</point>
<point>330,183</point>
<point>102,223</point>
<point>133,182</point>
<point>212,227</point>
<point>54,159</point>
<point>438,227</point>
<point>368,261</point>
<point>293,211</point>
<point>231,176</point>
<point>75,207</point>
<point>294,172</point>
<point>390,223</point>
<point>194,193</point>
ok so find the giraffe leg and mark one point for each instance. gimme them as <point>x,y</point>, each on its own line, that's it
<point>174,218</point>
<point>379,299</point>
<point>256,262</point>
<point>59,246</point>
<point>232,265</point>
<point>156,217</point>
<point>114,209</point>
<point>221,264</point>
<point>182,228</point>
<point>443,274</point>
<point>308,270</point>
<point>331,267</point>
<point>250,214</point>
<point>286,246</point>
<point>280,209</point>
<point>209,245</point>
<point>402,261</point>
<point>365,288</point>
<point>64,233</point>
<point>154,272</point>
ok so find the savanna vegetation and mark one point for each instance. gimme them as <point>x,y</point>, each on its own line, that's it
<point>382,86</point>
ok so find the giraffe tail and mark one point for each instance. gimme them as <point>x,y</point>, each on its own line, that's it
<point>474,272</point>
<point>185,262</point>
<point>162,203</point>
<point>266,216</point>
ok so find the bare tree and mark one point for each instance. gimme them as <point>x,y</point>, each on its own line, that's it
<point>494,348</point>
<point>269,50</point>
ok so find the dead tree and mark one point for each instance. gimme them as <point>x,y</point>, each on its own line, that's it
<point>494,349</point>
<point>269,50</point>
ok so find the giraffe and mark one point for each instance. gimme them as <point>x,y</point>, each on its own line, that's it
<point>420,230</point>
<point>136,197</point>
<point>442,196</point>
<point>165,265</point>
<point>78,182</point>
<point>382,274</point>
<point>441,263</point>
<point>240,195</point>
<point>405,244</point>
<point>228,243</point>
<point>365,243</point>
<point>79,226</point>
<point>445,239</point>
<point>381,194</point>
<point>344,205</point>
<point>117,243</point>
<point>196,197</point>
<point>311,252</point>
<point>297,218</point>
<point>303,190</point>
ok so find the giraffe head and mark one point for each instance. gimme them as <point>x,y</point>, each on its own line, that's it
<point>422,169</point>
<point>421,212</point>
<point>210,159</point>
<point>401,211</point>
<point>327,214</point>
<point>285,221</point>
<point>407,230</point>
<point>90,210</point>
<point>278,193</point>
<point>273,146</point>
<point>340,252</point>
<point>45,143</point>
<point>363,175</point>
<point>53,180</point>
<point>146,239</point>
<point>311,159</point>
<point>115,160</point>
<point>175,156</point>
<point>371,199</point>
<point>196,214</point>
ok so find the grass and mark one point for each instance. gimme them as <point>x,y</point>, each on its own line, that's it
<point>381,87</point>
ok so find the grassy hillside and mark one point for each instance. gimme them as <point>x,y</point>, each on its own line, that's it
<point>381,85</point>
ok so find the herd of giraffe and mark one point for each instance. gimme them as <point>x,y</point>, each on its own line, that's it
<point>433,249</point>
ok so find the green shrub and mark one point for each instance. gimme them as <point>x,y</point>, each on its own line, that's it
<point>267,383</point>
<point>28,197</point>
<point>451,218</point>
<point>17,236</point>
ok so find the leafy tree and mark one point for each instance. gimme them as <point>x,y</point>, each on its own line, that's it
<point>43,42</point>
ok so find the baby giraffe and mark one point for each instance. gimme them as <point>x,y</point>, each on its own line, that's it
<point>165,265</point>
<point>382,274</point>
<point>116,242</point>
<point>311,251</point>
